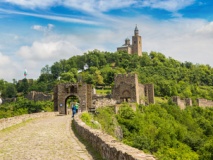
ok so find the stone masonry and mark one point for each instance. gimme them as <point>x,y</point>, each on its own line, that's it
<point>39,96</point>
<point>182,103</point>
<point>62,92</point>
<point>204,103</point>
<point>43,138</point>
<point>107,146</point>
<point>8,122</point>
<point>128,89</point>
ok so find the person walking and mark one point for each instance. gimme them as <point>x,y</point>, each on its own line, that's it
<point>76,105</point>
<point>73,110</point>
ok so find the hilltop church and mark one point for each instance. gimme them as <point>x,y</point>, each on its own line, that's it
<point>135,47</point>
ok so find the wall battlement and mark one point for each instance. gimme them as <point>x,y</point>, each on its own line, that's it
<point>204,103</point>
<point>182,103</point>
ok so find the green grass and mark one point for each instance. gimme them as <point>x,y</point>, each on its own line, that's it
<point>160,100</point>
<point>88,119</point>
<point>103,91</point>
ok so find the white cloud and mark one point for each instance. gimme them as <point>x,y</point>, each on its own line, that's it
<point>206,29</point>
<point>7,68</point>
<point>66,18</point>
<point>32,4</point>
<point>100,6</point>
<point>169,5</point>
<point>88,6</point>
<point>44,52</point>
<point>44,29</point>
<point>97,5</point>
<point>48,50</point>
<point>5,60</point>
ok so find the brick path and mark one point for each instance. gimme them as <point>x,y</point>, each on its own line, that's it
<point>49,138</point>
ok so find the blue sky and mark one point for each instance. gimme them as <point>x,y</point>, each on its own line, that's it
<point>35,33</point>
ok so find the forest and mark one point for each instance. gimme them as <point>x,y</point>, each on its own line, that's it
<point>162,129</point>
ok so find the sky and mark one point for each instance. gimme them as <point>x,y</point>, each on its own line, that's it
<point>36,33</point>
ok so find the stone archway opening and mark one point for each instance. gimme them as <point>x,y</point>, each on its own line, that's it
<point>125,96</point>
<point>69,101</point>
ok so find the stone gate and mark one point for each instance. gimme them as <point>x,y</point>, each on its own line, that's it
<point>63,91</point>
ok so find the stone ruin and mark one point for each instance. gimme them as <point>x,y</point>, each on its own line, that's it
<point>39,96</point>
<point>183,102</point>
<point>63,91</point>
<point>126,89</point>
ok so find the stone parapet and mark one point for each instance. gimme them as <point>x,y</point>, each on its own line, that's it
<point>182,103</point>
<point>8,122</point>
<point>204,103</point>
<point>107,146</point>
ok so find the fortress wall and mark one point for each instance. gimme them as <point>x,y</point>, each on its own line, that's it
<point>39,96</point>
<point>106,145</point>
<point>182,103</point>
<point>8,122</point>
<point>179,102</point>
<point>204,103</point>
<point>101,101</point>
<point>149,89</point>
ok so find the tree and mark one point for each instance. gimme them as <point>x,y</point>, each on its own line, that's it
<point>23,86</point>
<point>10,90</point>
<point>68,77</point>
<point>46,70</point>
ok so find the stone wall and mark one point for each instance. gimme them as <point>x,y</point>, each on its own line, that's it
<point>107,146</point>
<point>39,96</point>
<point>102,101</point>
<point>149,93</point>
<point>182,103</point>
<point>204,103</point>
<point>8,100</point>
<point>8,122</point>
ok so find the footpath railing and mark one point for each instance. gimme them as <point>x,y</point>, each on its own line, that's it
<point>8,122</point>
<point>108,146</point>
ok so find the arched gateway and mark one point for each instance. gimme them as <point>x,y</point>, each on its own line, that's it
<point>65,90</point>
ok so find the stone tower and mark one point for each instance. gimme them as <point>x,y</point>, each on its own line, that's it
<point>136,43</point>
<point>135,47</point>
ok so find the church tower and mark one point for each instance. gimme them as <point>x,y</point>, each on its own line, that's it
<point>136,43</point>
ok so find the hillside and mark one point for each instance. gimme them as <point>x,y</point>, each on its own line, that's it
<point>170,77</point>
<point>163,130</point>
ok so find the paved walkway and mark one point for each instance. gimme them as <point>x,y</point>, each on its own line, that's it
<point>49,138</point>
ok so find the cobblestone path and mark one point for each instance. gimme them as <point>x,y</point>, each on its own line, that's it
<point>49,138</point>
